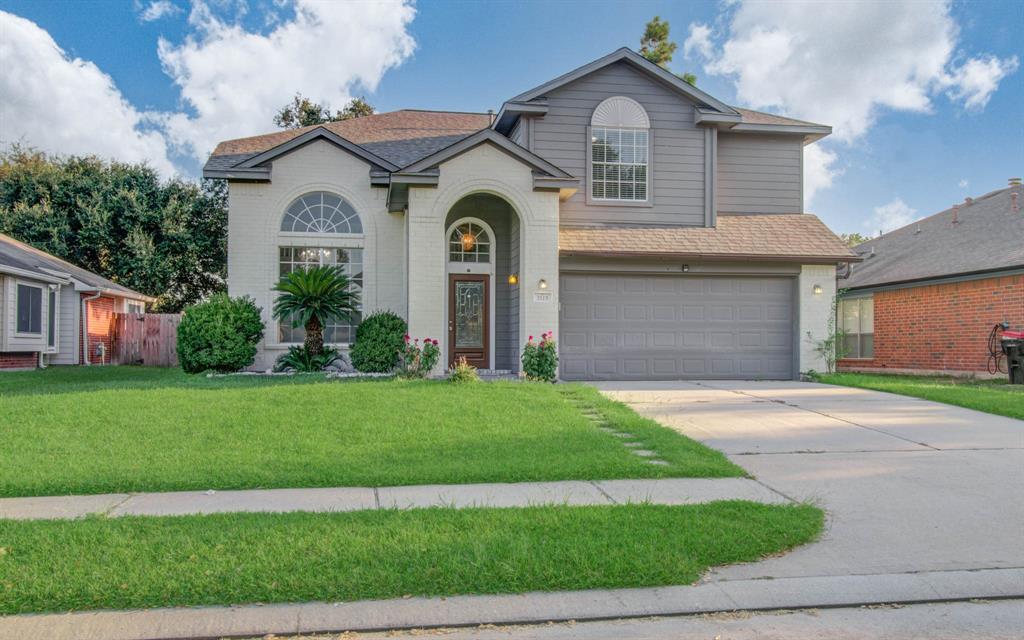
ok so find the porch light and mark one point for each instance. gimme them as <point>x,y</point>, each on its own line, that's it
<point>513,278</point>
<point>543,284</point>
<point>817,289</point>
<point>468,241</point>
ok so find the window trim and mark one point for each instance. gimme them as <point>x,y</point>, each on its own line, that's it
<point>17,295</point>
<point>321,192</point>
<point>492,244</point>
<point>605,202</point>
<point>840,321</point>
<point>53,317</point>
<point>310,241</point>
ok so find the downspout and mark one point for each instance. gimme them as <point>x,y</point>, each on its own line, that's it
<point>85,325</point>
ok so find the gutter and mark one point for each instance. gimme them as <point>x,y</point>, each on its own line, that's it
<point>713,256</point>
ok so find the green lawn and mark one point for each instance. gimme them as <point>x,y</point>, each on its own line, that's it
<point>117,429</point>
<point>141,562</point>
<point>990,396</point>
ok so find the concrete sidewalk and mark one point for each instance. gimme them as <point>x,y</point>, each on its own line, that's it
<point>531,608</point>
<point>604,492</point>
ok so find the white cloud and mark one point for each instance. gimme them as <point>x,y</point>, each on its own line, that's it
<point>963,184</point>
<point>843,63</point>
<point>67,105</point>
<point>233,80</point>
<point>892,215</point>
<point>699,41</point>
<point>820,169</point>
<point>978,79</point>
<point>159,9</point>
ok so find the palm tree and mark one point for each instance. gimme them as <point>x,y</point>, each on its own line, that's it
<point>313,297</point>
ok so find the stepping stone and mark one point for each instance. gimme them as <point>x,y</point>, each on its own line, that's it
<point>660,463</point>
<point>623,435</point>
<point>607,429</point>
<point>633,444</point>
<point>646,453</point>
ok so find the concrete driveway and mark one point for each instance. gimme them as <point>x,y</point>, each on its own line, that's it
<point>909,485</point>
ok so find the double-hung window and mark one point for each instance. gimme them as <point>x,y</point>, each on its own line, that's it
<point>857,316</point>
<point>30,309</point>
<point>620,149</point>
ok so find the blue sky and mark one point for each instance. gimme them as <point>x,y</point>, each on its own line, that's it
<point>907,143</point>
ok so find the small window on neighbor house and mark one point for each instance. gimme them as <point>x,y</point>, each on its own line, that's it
<point>132,306</point>
<point>30,309</point>
<point>857,316</point>
<point>51,319</point>
<point>469,242</point>
<point>619,151</point>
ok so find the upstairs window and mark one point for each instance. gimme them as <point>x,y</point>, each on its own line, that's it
<point>619,151</point>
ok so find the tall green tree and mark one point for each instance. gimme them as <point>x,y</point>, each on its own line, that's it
<point>167,239</point>
<point>853,239</point>
<point>656,46</point>
<point>303,112</point>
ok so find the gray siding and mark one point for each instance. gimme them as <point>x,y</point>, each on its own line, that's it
<point>759,173</point>
<point>677,154</point>
<point>502,219</point>
<point>518,133</point>
<point>67,328</point>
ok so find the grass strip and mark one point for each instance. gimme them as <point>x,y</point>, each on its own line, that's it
<point>141,562</point>
<point>991,396</point>
<point>215,433</point>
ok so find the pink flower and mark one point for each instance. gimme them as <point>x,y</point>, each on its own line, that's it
<point>435,343</point>
<point>407,337</point>
<point>530,338</point>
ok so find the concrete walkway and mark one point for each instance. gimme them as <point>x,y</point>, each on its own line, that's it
<point>530,608</point>
<point>604,492</point>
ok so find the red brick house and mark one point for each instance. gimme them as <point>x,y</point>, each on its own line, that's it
<point>53,312</point>
<point>926,296</point>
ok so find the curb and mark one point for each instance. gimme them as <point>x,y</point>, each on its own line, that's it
<point>204,623</point>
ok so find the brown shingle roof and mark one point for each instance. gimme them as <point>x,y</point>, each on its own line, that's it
<point>760,117</point>
<point>798,236</point>
<point>407,124</point>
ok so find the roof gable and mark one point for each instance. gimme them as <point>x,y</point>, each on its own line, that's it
<point>488,136</point>
<point>319,133</point>
<point>637,61</point>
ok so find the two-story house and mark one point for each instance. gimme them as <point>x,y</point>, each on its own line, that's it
<point>656,230</point>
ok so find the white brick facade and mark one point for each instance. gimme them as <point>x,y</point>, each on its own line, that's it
<point>814,312</point>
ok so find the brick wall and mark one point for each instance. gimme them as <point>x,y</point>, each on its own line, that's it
<point>941,327</point>
<point>19,360</point>
<point>101,328</point>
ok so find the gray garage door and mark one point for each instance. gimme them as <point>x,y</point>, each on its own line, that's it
<point>621,327</point>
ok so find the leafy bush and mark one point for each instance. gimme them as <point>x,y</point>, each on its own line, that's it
<point>301,360</point>
<point>540,361</point>
<point>379,341</point>
<point>220,334</point>
<point>462,372</point>
<point>416,361</point>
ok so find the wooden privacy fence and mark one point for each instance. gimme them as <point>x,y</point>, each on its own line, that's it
<point>150,339</point>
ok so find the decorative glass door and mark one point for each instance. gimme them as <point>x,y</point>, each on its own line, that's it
<point>469,319</point>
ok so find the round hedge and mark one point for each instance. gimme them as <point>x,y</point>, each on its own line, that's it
<point>379,338</point>
<point>220,334</point>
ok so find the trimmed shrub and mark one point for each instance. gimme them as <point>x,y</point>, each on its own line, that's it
<point>299,359</point>
<point>220,334</point>
<point>380,339</point>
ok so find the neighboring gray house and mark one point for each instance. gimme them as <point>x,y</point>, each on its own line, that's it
<point>53,312</point>
<point>657,231</point>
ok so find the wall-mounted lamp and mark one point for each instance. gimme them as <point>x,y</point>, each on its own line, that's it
<point>543,284</point>
<point>686,268</point>
<point>817,290</point>
<point>513,278</point>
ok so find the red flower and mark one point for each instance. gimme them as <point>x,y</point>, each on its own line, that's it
<point>435,343</point>
<point>407,338</point>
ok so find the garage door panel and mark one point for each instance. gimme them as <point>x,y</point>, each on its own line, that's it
<point>646,327</point>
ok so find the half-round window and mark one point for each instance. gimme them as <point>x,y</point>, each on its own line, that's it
<point>469,242</point>
<point>321,212</point>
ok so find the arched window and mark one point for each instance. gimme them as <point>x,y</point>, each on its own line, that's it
<point>619,151</point>
<point>321,212</point>
<point>469,242</point>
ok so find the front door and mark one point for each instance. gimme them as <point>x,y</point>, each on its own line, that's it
<point>469,319</point>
